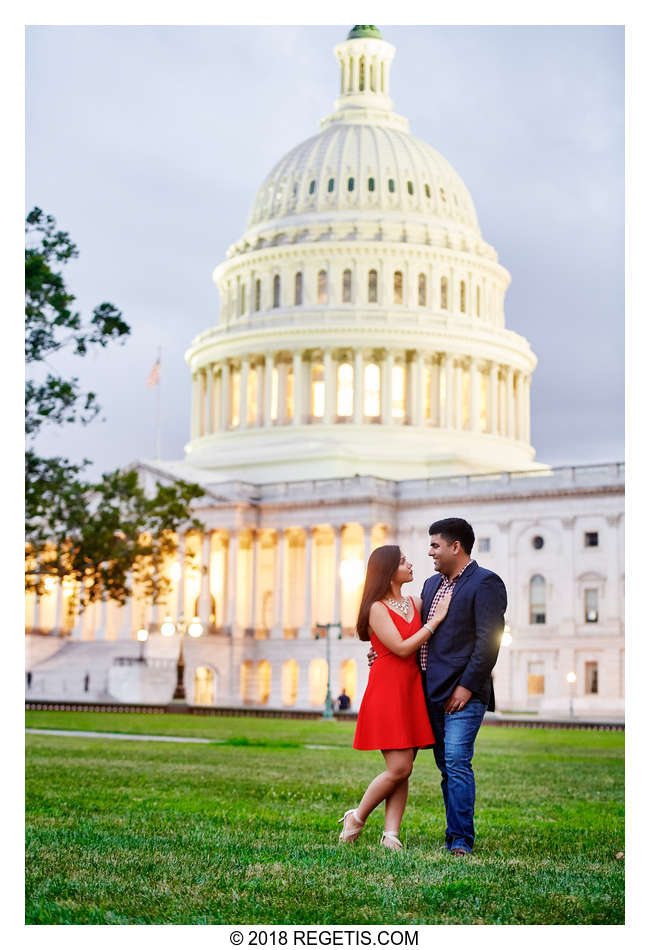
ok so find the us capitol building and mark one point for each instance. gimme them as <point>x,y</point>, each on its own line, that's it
<point>361,383</point>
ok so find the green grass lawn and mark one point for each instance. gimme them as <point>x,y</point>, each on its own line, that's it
<point>244,830</point>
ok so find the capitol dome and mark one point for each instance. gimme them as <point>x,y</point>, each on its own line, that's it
<point>362,326</point>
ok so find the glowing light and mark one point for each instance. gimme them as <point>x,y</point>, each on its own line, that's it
<point>168,627</point>
<point>195,629</point>
<point>143,634</point>
<point>351,572</point>
<point>506,639</point>
<point>571,677</point>
<point>49,584</point>
<point>175,572</point>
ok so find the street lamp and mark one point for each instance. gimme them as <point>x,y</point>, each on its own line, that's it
<point>194,628</point>
<point>143,636</point>
<point>328,713</point>
<point>571,680</point>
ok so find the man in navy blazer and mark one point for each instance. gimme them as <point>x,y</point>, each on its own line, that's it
<point>456,666</point>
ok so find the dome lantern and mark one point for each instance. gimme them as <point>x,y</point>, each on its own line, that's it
<point>364,60</point>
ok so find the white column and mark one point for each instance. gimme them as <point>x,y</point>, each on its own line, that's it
<point>277,631</point>
<point>225,395</point>
<point>358,387</point>
<point>417,371</point>
<point>519,407</point>
<point>210,420</point>
<point>305,631</point>
<point>474,397</point>
<point>436,419</point>
<point>297,389</point>
<point>283,375</point>
<point>493,402</point>
<point>449,390</point>
<point>255,547</point>
<point>336,618</point>
<point>458,396</point>
<point>194,424</point>
<point>204,597</point>
<point>330,387</point>
<point>387,389</point>
<point>231,609</point>
<point>243,392</point>
<point>527,409</point>
<point>510,404</point>
<point>268,388</point>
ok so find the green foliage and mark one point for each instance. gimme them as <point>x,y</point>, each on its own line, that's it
<point>160,833</point>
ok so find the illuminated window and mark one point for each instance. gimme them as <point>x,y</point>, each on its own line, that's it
<point>263,681</point>
<point>289,682</point>
<point>398,296</point>
<point>371,184</point>
<point>463,297</point>
<point>258,294</point>
<point>591,605</point>
<point>537,599</point>
<point>484,402</point>
<point>535,679</point>
<point>297,290</point>
<point>348,678</point>
<point>234,397</point>
<point>204,692</point>
<point>317,682</point>
<point>275,392</point>
<point>591,678</point>
<point>371,390</point>
<point>427,382</point>
<point>347,286</point>
<point>246,681</point>
<point>345,390</point>
<point>251,396</point>
<point>317,391</point>
<point>322,286</point>
<point>422,290</point>
<point>399,392</point>
<point>372,286</point>
<point>409,187</point>
<point>443,293</point>
<point>290,393</point>
<point>330,185</point>
<point>276,290</point>
<point>391,185</point>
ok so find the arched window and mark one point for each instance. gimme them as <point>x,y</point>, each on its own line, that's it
<point>317,682</point>
<point>427,191</point>
<point>276,290</point>
<point>348,678</point>
<point>246,681</point>
<point>398,295</point>
<point>322,286</point>
<point>350,184</point>
<point>258,294</point>
<point>372,286</point>
<point>371,391</point>
<point>317,409</point>
<point>297,292</point>
<point>371,184</point>
<point>347,286</point>
<point>345,390</point>
<point>398,409</point>
<point>391,185</point>
<point>443,196</point>
<point>409,187</point>
<point>478,301</point>
<point>242,300</point>
<point>312,186</point>
<point>422,290</point>
<point>289,682</point>
<point>204,686</point>
<point>463,297</point>
<point>330,185</point>
<point>443,293</point>
<point>263,681</point>
<point>537,599</point>
<point>362,74</point>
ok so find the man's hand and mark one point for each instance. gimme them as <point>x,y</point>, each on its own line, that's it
<point>458,699</point>
<point>372,656</point>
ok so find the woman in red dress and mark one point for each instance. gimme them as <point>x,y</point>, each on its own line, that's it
<point>393,715</point>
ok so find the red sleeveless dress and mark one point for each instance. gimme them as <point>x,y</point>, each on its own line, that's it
<point>393,712</point>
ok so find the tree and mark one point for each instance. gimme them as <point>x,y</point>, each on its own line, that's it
<point>96,537</point>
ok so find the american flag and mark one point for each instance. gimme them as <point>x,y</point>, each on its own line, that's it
<point>154,376</point>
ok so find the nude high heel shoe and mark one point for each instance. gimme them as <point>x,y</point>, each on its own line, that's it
<point>390,840</point>
<point>350,833</point>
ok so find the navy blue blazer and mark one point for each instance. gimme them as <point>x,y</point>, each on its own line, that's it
<point>464,648</point>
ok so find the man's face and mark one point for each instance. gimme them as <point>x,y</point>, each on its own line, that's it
<point>444,554</point>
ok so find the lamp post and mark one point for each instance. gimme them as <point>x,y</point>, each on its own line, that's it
<point>168,628</point>
<point>571,680</point>
<point>328,712</point>
<point>143,636</point>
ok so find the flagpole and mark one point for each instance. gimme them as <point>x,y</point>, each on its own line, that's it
<point>158,452</point>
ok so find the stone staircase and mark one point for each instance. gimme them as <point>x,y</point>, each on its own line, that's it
<point>60,674</point>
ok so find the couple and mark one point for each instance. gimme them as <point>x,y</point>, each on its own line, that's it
<point>430,683</point>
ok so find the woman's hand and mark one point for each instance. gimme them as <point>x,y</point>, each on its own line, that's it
<point>440,612</point>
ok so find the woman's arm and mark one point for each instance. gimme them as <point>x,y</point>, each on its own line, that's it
<point>384,628</point>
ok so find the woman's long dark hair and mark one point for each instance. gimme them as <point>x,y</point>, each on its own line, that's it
<point>382,564</point>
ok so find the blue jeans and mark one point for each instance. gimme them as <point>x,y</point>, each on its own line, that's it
<point>455,734</point>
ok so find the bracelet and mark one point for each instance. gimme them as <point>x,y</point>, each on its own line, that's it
<point>429,629</point>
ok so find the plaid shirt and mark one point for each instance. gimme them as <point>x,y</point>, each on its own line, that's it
<point>445,586</point>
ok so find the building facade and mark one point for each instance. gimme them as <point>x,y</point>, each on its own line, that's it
<point>360,384</point>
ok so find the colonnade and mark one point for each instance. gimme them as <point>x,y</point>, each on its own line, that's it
<point>335,386</point>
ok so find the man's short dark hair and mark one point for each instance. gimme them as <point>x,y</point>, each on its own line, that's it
<point>455,529</point>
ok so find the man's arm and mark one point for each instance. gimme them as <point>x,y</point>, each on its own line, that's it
<point>489,616</point>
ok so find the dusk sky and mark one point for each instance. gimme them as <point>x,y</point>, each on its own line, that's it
<point>148,145</point>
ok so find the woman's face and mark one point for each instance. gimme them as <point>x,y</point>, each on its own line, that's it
<point>404,573</point>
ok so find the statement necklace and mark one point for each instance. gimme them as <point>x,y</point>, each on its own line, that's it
<point>403,607</point>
